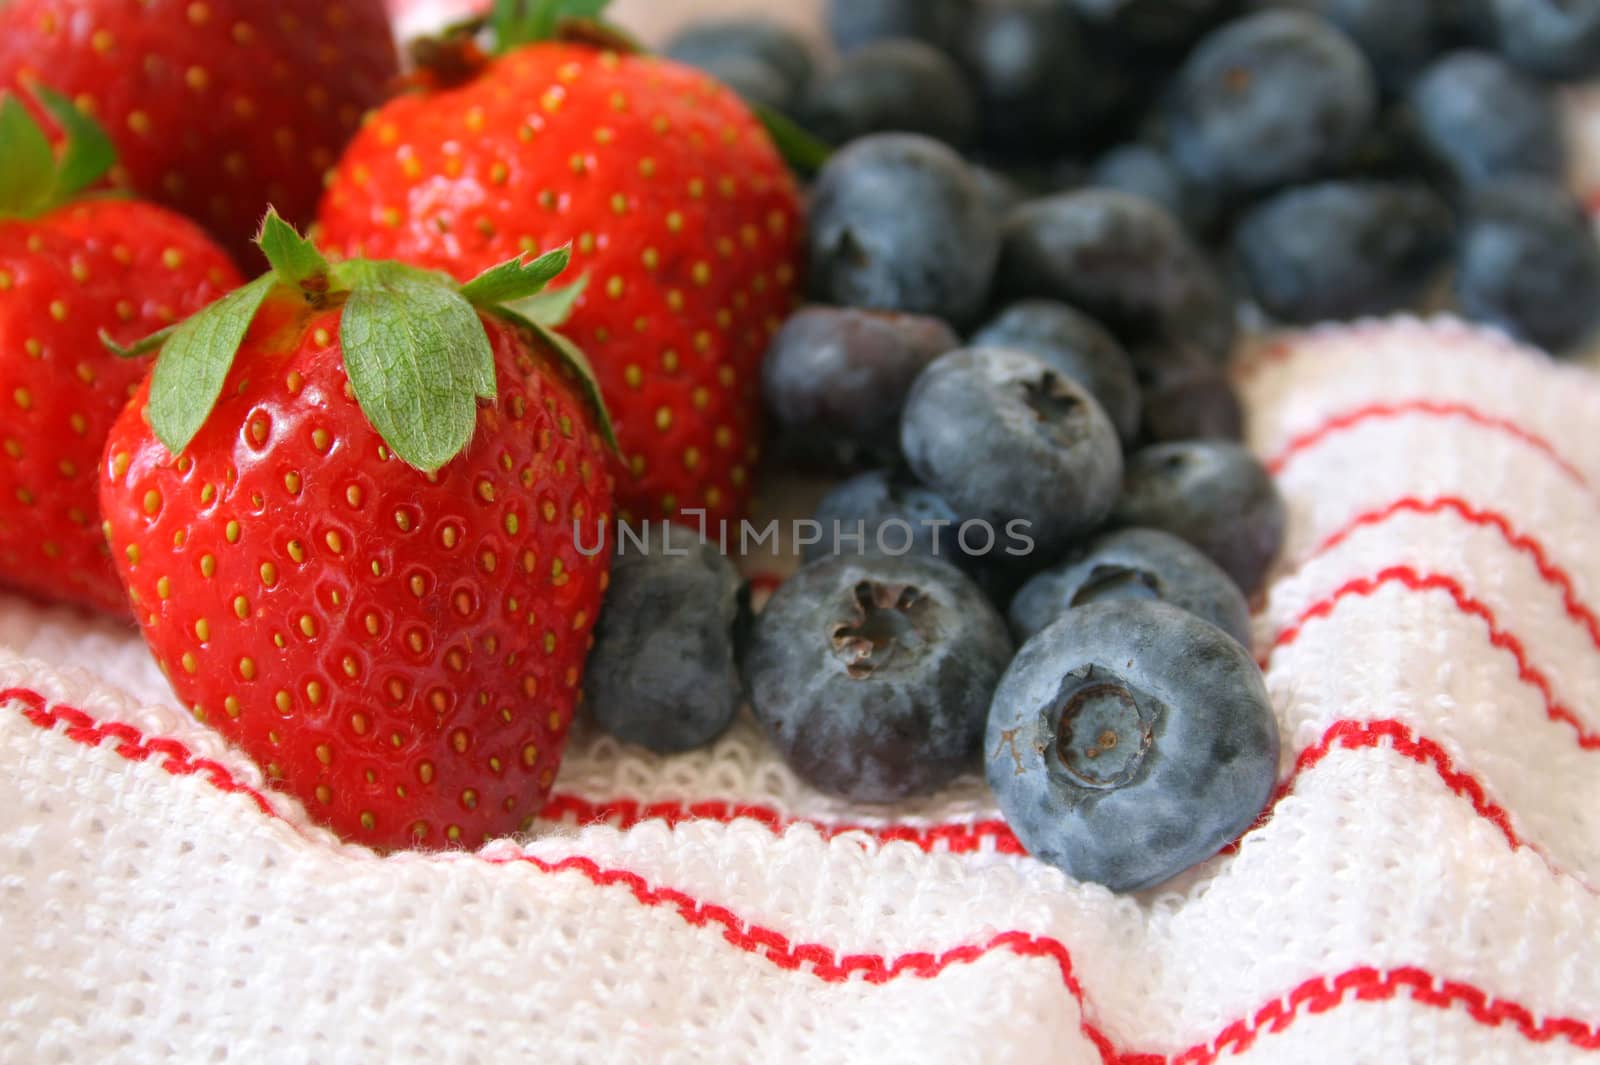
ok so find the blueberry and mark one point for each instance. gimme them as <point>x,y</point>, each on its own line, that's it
<point>873,675</point>
<point>1527,262</point>
<point>1002,192</point>
<point>893,86</point>
<point>893,514</point>
<point>835,379</point>
<point>1269,100</point>
<point>1188,399</point>
<point>1132,564</point>
<point>899,223</point>
<point>1550,38</point>
<point>714,44</point>
<point>1478,119</point>
<point>1214,494</point>
<point>1397,36</point>
<point>941,23</point>
<point>757,83</point>
<point>1032,74</point>
<point>1121,259</point>
<point>1130,740</point>
<point>1145,170</point>
<point>1009,440</point>
<point>1157,26</point>
<point>1076,346</point>
<point>1343,249</point>
<point>662,670</point>
<point>1393,150</point>
<point>1464,22</point>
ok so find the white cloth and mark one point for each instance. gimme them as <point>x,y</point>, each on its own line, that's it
<point>1423,891</point>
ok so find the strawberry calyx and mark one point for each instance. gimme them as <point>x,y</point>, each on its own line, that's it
<point>34,179</point>
<point>460,51</point>
<point>515,23</point>
<point>458,54</point>
<point>414,347</point>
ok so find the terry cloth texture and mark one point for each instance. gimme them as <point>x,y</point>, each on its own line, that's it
<point>1423,889</point>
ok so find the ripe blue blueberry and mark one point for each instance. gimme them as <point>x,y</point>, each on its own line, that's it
<point>1343,249</point>
<point>1549,38</point>
<point>1187,399</point>
<point>1121,259</point>
<point>1032,74</point>
<point>890,86</point>
<point>893,514</point>
<point>1078,347</point>
<point>1214,494</point>
<point>898,222</point>
<point>1267,100</point>
<point>1002,192</point>
<point>835,379</point>
<point>1132,564</point>
<point>941,23</point>
<point>748,51</point>
<point>1397,36</point>
<point>1528,263</point>
<point>1006,438</point>
<point>1145,170</point>
<point>757,83</point>
<point>1130,740</point>
<point>1478,119</point>
<point>1159,27</point>
<point>662,671</point>
<point>873,675</point>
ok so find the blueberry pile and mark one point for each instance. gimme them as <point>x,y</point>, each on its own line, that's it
<point>1027,256</point>
<point>1321,159</point>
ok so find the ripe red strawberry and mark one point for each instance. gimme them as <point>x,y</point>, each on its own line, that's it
<point>361,562</point>
<point>217,107</point>
<point>68,271</point>
<point>681,212</point>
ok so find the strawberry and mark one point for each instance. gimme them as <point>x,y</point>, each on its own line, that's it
<point>685,221</point>
<point>72,270</point>
<point>216,106</point>
<point>346,505</point>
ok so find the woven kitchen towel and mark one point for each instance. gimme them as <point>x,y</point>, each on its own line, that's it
<point>1423,890</point>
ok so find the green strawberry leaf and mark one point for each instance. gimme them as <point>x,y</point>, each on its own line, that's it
<point>800,149</point>
<point>294,259</point>
<point>138,348</point>
<point>515,280</point>
<point>552,307</point>
<point>351,274</point>
<point>27,177</point>
<point>418,359</point>
<point>89,154</point>
<point>574,357</point>
<point>194,363</point>
<point>519,22</point>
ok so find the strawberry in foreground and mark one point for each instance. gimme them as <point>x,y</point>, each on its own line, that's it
<point>217,107</point>
<point>684,220</point>
<point>73,269</point>
<point>345,506</point>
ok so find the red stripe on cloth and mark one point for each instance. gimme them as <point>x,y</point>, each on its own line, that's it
<point>1340,423</point>
<point>956,838</point>
<point>963,838</point>
<point>1407,577</point>
<point>1313,996</point>
<point>130,743</point>
<point>1549,571</point>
